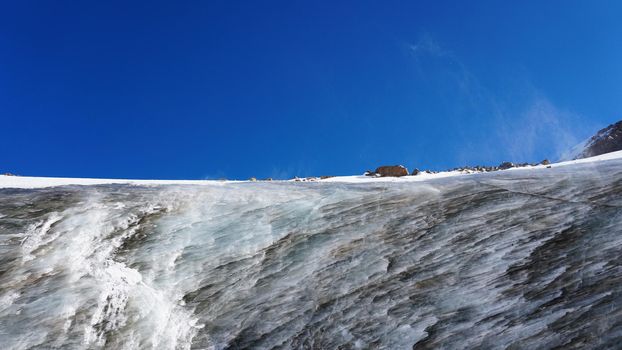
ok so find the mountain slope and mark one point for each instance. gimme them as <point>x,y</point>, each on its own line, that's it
<point>604,141</point>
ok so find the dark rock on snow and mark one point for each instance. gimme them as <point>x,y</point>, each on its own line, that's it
<point>506,165</point>
<point>391,170</point>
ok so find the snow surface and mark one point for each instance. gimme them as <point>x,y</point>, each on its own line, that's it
<point>40,182</point>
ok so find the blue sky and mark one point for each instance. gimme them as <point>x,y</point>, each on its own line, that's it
<point>210,89</point>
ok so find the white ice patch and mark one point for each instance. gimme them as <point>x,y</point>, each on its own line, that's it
<point>37,236</point>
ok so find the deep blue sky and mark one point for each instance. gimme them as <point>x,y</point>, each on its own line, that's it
<point>212,89</point>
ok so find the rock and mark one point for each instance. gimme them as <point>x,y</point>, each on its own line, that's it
<point>416,172</point>
<point>392,170</point>
<point>268,179</point>
<point>252,179</point>
<point>9,174</point>
<point>323,177</point>
<point>369,173</point>
<point>506,165</point>
<point>545,162</point>
<point>305,179</point>
<point>548,167</point>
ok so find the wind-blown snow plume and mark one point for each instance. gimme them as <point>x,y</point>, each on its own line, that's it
<point>526,258</point>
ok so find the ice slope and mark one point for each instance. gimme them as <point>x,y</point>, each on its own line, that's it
<point>523,258</point>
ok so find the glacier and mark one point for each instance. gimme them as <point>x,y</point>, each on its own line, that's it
<point>524,258</point>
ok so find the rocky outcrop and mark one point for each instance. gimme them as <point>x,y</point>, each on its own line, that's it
<point>475,169</point>
<point>606,140</point>
<point>398,170</point>
<point>505,165</point>
<point>391,170</point>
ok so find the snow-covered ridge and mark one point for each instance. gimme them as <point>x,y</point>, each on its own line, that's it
<point>40,182</point>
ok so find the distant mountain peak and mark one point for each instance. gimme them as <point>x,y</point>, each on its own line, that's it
<point>604,141</point>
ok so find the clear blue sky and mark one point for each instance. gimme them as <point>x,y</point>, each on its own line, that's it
<point>210,89</point>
